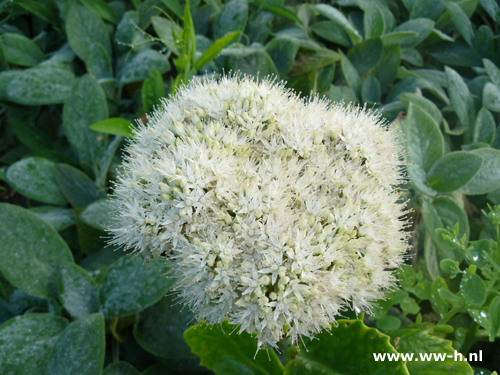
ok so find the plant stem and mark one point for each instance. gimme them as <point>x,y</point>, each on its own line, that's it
<point>449,315</point>
<point>115,349</point>
<point>469,339</point>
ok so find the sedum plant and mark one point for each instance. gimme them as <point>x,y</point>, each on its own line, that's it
<point>280,211</point>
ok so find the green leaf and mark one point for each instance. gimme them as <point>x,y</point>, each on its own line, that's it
<point>370,90</point>
<point>213,51</point>
<point>388,323</point>
<point>431,257</point>
<point>494,317</point>
<point>437,302</point>
<point>89,37</point>
<point>138,66</point>
<point>30,250</point>
<point>366,55</point>
<point>330,30</point>
<point>348,349</point>
<point>77,290</point>
<point>76,186</point>
<point>473,289</point>
<point>425,141</point>
<point>40,10</point>
<point>282,51</point>
<point>421,26</point>
<point>335,15</point>
<point>493,72</point>
<point>98,214</point>
<point>386,69</point>
<point>44,84</point>
<point>80,348</point>
<point>152,91</point>
<point>87,105</point>
<point>443,212</point>
<point>488,177</point>
<point>216,346</point>
<point>454,54</point>
<point>130,286</point>
<point>116,126</point>
<point>102,9</point>
<point>418,341</point>
<point>491,7</point>
<point>461,100</point>
<point>26,341</point>
<point>351,76</point>
<point>396,37</point>
<point>484,129</point>
<point>424,103</point>
<point>234,17</point>
<point>373,21</point>
<point>29,135</point>
<point>255,61</point>
<point>282,11</point>
<point>309,62</point>
<point>59,218</point>
<point>454,170</point>
<point>120,368</point>
<point>461,20</point>
<point>34,178</point>
<point>165,29</point>
<point>427,9</point>
<point>20,50</point>
<point>491,97</point>
<point>159,329</point>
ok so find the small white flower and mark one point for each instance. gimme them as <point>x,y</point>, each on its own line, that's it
<point>278,213</point>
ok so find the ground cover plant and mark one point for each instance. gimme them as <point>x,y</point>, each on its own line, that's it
<point>76,74</point>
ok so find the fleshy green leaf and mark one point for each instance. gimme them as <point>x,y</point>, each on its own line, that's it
<point>159,329</point>
<point>26,341</point>
<point>216,346</point>
<point>76,186</point>
<point>34,178</point>
<point>114,125</point>
<point>77,290</point>
<point>454,170</point>
<point>425,141</point>
<point>98,214</point>
<point>461,100</point>
<point>20,50</point>
<point>348,349</point>
<point>130,286</point>
<point>30,250</point>
<point>491,97</point>
<point>80,348</point>
<point>488,177</point>
<point>484,129</point>
<point>87,105</point>
<point>494,316</point>
<point>59,218</point>
<point>473,289</point>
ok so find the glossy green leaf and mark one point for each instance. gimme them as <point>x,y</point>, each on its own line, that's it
<point>330,30</point>
<point>420,342</point>
<point>461,20</point>
<point>89,38</point>
<point>59,218</point>
<point>160,327</point>
<point>454,170</point>
<point>43,84</point>
<point>425,141</point>
<point>443,212</point>
<point>26,341</point>
<point>488,177</point>
<point>30,250</point>
<point>461,100</point>
<point>234,17</point>
<point>87,105</point>
<point>102,9</point>
<point>130,285</point>
<point>114,125</point>
<point>421,26</point>
<point>120,368</point>
<point>80,348</point>
<point>494,317</point>
<point>77,290</point>
<point>34,178</point>
<point>136,67</point>
<point>216,346</point>
<point>77,187</point>
<point>426,9</point>
<point>491,97</point>
<point>20,50</point>
<point>484,129</point>
<point>351,76</point>
<point>348,349</point>
<point>217,46</point>
<point>473,289</point>
<point>335,15</point>
<point>282,51</point>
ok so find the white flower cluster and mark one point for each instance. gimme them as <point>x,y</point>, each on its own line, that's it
<point>277,212</point>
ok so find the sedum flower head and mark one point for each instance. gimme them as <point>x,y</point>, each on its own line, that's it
<point>277,212</point>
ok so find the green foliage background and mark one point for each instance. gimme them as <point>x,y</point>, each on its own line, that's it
<point>74,76</point>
